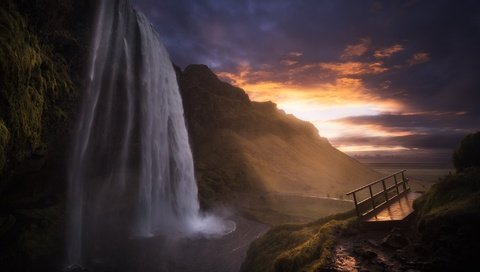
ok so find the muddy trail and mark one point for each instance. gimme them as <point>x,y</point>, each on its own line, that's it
<point>381,249</point>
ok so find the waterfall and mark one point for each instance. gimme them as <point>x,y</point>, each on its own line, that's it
<point>131,168</point>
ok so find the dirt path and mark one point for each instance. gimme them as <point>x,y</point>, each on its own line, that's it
<point>389,249</point>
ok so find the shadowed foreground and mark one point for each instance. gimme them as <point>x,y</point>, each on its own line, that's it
<point>158,254</point>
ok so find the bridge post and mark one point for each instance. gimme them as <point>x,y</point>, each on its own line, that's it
<point>380,202</point>
<point>356,206</point>
<point>385,190</point>
<point>371,196</point>
<point>396,184</point>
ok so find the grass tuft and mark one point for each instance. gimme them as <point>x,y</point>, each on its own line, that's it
<point>305,247</point>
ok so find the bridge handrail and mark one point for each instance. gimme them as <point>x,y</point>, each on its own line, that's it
<point>403,182</point>
<point>375,182</point>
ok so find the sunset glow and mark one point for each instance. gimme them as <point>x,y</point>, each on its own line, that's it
<point>323,103</point>
<point>380,78</point>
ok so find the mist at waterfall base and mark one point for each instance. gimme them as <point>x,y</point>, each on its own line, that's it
<point>131,173</point>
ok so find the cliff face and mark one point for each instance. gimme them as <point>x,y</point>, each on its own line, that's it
<point>43,46</point>
<point>244,146</point>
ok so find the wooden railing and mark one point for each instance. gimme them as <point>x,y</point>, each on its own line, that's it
<point>370,198</point>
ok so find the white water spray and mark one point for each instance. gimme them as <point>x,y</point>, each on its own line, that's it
<point>131,165</point>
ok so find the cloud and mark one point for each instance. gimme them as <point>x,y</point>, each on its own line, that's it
<point>424,130</point>
<point>416,141</point>
<point>356,50</point>
<point>334,83</point>
<point>292,58</point>
<point>416,121</point>
<point>388,52</point>
<point>338,59</point>
<point>295,54</point>
<point>418,58</point>
<point>354,68</point>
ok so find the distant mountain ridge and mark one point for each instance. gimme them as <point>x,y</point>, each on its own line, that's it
<point>245,146</point>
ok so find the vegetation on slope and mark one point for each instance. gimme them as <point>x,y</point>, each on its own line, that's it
<point>41,49</point>
<point>244,146</point>
<point>455,196</point>
<point>467,153</point>
<point>449,219</point>
<point>36,83</point>
<point>29,76</point>
<point>305,247</point>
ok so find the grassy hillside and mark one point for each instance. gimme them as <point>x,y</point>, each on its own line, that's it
<point>244,146</point>
<point>306,247</point>
<point>449,219</point>
<point>444,233</point>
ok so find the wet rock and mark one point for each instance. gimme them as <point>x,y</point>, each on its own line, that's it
<point>375,267</point>
<point>328,269</point>
<point>364,254</point>
<point>75,268</point>
<point>420,249</point>
<point>400,255</point>
<point>371,242</point>
<point>395,239</point>
<point>349,232</point>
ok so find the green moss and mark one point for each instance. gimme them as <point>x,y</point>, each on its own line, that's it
<point>4,139</point>
<point>314,253</point>
<point>32,78</point>
<point>449,219</point>
<point>305,247</point>
<point>453,199</point>
<point>451,194</point>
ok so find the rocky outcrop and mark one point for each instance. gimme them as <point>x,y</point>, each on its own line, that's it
<point>240,145</point>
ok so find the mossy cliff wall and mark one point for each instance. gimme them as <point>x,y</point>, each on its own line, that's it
<point>40,48</point>
<point>43,45</point>
<point>32,78</point>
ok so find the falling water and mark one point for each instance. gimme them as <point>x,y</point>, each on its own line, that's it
<point>131,166</point>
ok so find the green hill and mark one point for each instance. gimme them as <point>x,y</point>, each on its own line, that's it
<point>244,146</point>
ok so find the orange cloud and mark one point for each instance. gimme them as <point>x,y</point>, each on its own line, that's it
<point>388,52</point>
<point>320,93</point>
<point>317,103</point>
<point>418,58</point>
<point>355,68</point>
<point>356,50</point>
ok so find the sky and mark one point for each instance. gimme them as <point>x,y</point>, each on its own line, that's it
<point>377,78</point>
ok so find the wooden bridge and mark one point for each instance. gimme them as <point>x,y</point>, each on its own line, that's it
<point>385,200</point>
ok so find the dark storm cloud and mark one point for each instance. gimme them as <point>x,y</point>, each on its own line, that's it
<point>430,130</point>
<point>420,122</point>
<point>425,52</point>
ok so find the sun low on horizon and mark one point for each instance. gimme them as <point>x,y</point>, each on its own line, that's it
<point>375,78</point>
<point>327,105</point>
